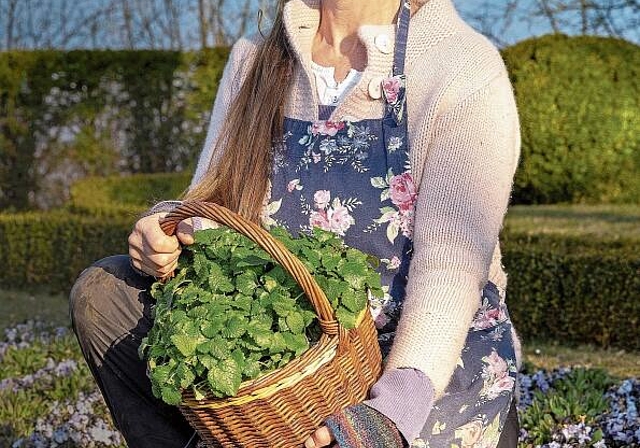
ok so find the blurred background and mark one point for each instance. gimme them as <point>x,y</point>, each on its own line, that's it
<point>104,106</point>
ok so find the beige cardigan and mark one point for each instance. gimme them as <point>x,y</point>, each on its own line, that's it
<point>464,146</point>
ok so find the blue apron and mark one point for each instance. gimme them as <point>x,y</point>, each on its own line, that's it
<point>354,178</point>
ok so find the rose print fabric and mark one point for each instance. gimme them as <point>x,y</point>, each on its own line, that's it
<point>476,403</point>
<point>354,178</point>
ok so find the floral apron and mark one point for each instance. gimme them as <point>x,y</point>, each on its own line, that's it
<point>354,179</point>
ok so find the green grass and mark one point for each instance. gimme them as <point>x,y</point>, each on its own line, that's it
<point>549,355</point>
<point>19,306</point>
<point>602,221</point>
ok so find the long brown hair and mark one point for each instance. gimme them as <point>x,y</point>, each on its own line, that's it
<point>255,118</point>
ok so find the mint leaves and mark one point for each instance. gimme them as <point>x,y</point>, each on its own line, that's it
<point>231,313</point>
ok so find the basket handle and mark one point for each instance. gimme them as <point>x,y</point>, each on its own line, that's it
<point>272,246</point>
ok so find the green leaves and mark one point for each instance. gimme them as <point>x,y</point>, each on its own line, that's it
<point>225,378</point>
<point>171,395</point>
<point>186,344</point>
<point>578,396</point>
<point>295,322</point>
<point>232,314</point>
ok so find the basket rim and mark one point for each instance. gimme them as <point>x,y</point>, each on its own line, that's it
<point>322,352</point>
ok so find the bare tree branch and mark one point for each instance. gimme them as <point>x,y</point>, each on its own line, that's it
<point>179,24</point>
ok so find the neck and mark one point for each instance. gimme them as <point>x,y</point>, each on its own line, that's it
<point>336,43</point>
<point>340,19</point>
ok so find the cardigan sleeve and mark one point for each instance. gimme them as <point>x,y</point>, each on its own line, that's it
<point>228,87</point>
<point>234,73</point>
<point>471,156</point>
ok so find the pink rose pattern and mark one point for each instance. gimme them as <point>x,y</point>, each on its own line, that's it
<point>394,91</point>
<point>334,216</point>
<point>391,87</point>
<point>489,315</point>
<point>496,376</point>
<point>401,190</point>
<point>330,128</point>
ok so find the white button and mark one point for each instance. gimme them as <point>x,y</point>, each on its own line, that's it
<point>383,42</point>
<point>375,88</point>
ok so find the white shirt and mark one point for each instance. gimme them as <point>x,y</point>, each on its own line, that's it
<point>331,92</point>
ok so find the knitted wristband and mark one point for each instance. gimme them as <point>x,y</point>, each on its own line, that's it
<point>360,426</point>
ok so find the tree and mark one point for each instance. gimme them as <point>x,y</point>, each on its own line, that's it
<point>131,24</point>
<point>615,18</point>
<point>603,17</point>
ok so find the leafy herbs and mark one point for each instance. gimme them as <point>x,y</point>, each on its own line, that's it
<point>232,313</point>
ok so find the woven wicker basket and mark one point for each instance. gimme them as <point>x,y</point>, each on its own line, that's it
<point>281,409</point>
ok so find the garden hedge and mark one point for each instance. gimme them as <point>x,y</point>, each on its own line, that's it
<point>579,290</point>
<point>51,249</point>
<point>80,113</point>
<point>125,195</point>
<point>578,99</point>
<point>574,289</point>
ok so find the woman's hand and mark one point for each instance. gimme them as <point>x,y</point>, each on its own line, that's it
<point>320,438</point>
<point>152,251</point>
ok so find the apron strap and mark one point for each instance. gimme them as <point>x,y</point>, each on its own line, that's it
<point>402,32</point>
<point>394,88</point>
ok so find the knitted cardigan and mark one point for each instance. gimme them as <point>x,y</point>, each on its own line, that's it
<point>464,144</point>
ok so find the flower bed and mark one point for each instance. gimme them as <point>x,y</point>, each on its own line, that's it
<point>48,399</point>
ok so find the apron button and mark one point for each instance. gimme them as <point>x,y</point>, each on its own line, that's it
<point>383,43</point>
<point>375,88</point>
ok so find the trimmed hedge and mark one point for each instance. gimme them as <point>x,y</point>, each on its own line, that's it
<point>51,249</point>
<point>125,195</point>
<point>578,99</point>
<point>579,290</point>
<point>80,113</point>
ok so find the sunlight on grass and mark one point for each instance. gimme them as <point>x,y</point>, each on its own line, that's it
<point>605,221</point>
<point>19,306</point>
<point>549,356</point>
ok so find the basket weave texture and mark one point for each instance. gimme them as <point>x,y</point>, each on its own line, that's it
<point>281,409</point>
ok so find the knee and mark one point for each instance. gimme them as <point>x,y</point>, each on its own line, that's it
<point>94,289</point>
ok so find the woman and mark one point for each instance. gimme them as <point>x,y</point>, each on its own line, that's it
<point>394,126</point>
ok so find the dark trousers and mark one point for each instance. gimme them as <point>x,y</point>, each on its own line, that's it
<point>110,313</point>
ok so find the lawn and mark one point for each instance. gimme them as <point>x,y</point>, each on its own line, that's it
<point>41,306</point>
<point>607,222</point>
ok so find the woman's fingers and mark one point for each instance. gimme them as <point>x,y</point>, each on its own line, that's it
<point>184,232</point>
<point>151,250</point>
<point>320,438</point>
<point>154,252</point>
<point>158,265</point>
